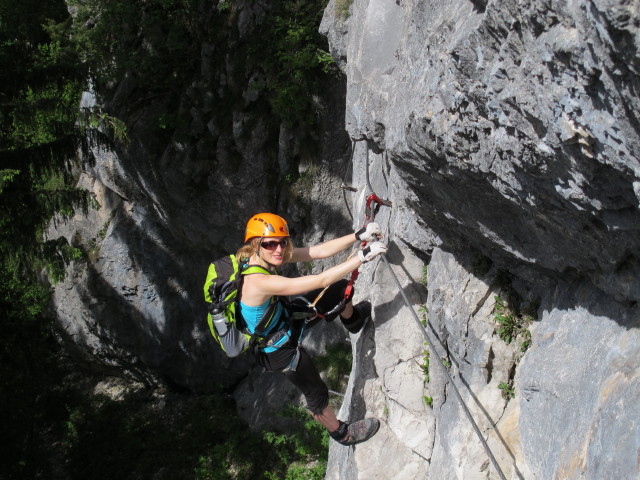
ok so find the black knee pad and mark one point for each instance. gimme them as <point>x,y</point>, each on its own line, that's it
<point>355,323</point>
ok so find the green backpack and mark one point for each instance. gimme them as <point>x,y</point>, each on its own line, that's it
<point>221,292</point>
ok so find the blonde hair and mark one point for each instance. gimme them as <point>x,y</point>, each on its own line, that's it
<point>253,245</point>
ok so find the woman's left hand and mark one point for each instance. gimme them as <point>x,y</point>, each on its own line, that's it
<point>370,233</point>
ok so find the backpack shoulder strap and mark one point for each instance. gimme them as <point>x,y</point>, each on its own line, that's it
<point>251,269</point>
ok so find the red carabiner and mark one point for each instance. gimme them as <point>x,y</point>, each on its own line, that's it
<point>370,215</point>
<point>371,212</point>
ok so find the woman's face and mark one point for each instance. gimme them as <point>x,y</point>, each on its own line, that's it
<point>272,250</point>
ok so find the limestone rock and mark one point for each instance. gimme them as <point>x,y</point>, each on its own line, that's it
<point>503,131</point>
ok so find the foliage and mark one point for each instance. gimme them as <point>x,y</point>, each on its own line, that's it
<point>297,455</point>
<point>526,340</point>
<point>342,9</point>
<point>295,58</point>
<point>428,401</point>
<point>424,277</point>
<point>309,443</point>
<point>424,314</point>
<point>336,363</point>
<point>150,46</point>
<point>152,51</point>
<point>145,434</point>
<point>40,93</point>
<point>301,186</point>
<point>507,390</point>
<point>148,41</point>
<point>425,363</point>
<point>511,324</point>
<point>41,133</point>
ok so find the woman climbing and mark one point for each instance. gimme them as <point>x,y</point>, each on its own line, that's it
<point>267,244</point>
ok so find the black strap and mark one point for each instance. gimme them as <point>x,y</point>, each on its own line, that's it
<point>257,337</point>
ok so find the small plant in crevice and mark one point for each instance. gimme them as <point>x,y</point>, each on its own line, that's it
<point>423,314</point>
<point>424,275</point>
<point>301,186</point>
<point>526,340</point>
<point>508,323</point>
<point>342,9</point>
<point>446,362</point>
<point>425,363</point>
<point>512,324</point>
<point>428,401</point>
<point>507,390</point>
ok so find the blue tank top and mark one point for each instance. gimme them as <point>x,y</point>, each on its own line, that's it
<point>253,315</point>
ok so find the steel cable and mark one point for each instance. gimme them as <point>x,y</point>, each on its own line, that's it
<point>428,337</point>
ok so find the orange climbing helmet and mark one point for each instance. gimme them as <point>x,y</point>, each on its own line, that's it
<point>266,225</point>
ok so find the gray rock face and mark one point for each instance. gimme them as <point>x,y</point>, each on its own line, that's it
<point>503,131</point>
<point>590,381</point>
<point>527,109</point>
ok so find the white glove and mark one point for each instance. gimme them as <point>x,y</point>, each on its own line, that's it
<point>370,233</point>
<point>371,251</point>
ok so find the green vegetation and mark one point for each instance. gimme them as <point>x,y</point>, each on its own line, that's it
<point>507,390</point>
<point>148,51</point>
<point>151,42</point>
<point>425,363</point>
<point>301,186</point>
<point>41,132</point>
<point>342,9</point>
<point>297,455</point>
<point>167,436</point>
<point>425,371</point>
<point>424,276</point>
<point>155,48</point>
<point>512,324</point>
<point>526,340</point>
<point>423,313</point>
<point>296,59</point>
<point>336,365</point>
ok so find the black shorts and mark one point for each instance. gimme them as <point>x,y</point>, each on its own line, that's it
<point>306,376</point>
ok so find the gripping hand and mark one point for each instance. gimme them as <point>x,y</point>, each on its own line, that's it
<point>370,233</point>
<point>371,251</point>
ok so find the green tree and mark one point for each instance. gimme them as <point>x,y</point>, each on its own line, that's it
<point>40,85</point>
<point>295,58</point>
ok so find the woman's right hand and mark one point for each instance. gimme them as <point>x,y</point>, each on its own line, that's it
<point>371,251</point>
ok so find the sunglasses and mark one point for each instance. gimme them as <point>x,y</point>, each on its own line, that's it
<point>273,244</point>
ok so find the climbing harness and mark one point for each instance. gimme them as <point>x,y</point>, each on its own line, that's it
<point>370,214</point>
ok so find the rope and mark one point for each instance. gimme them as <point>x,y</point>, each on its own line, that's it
<point>440,362</point>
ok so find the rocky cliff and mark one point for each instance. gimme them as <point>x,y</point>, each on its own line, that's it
<point>505,135</point>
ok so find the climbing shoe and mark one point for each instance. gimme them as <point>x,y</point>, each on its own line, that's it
<point>357,432</point>
<point>355,322</point>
